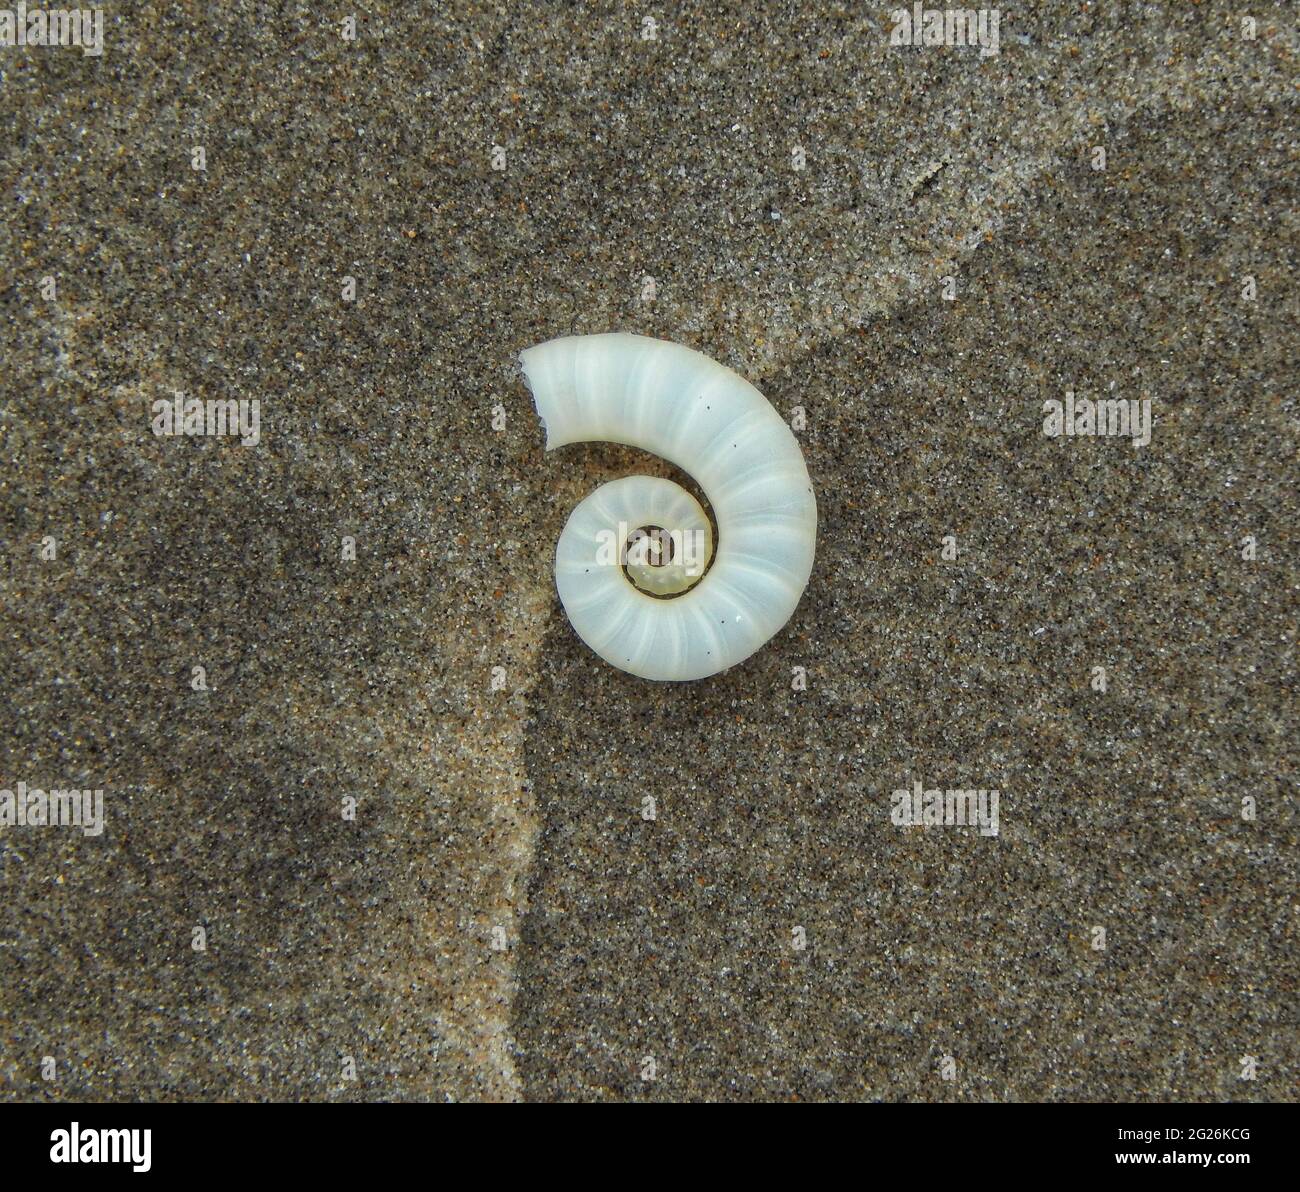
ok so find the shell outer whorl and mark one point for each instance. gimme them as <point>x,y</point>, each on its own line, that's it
<point>676,403</point>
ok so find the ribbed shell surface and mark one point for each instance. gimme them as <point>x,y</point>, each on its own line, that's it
<point>678,404</point>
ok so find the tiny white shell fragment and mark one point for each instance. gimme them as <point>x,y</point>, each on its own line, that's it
<point>678,404</point>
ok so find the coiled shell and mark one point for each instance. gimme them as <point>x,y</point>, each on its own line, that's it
<point>678,404</point>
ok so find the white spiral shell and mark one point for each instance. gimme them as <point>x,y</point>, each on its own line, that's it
<point>716,427</point>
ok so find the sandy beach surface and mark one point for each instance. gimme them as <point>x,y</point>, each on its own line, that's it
<point>389,840</point>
